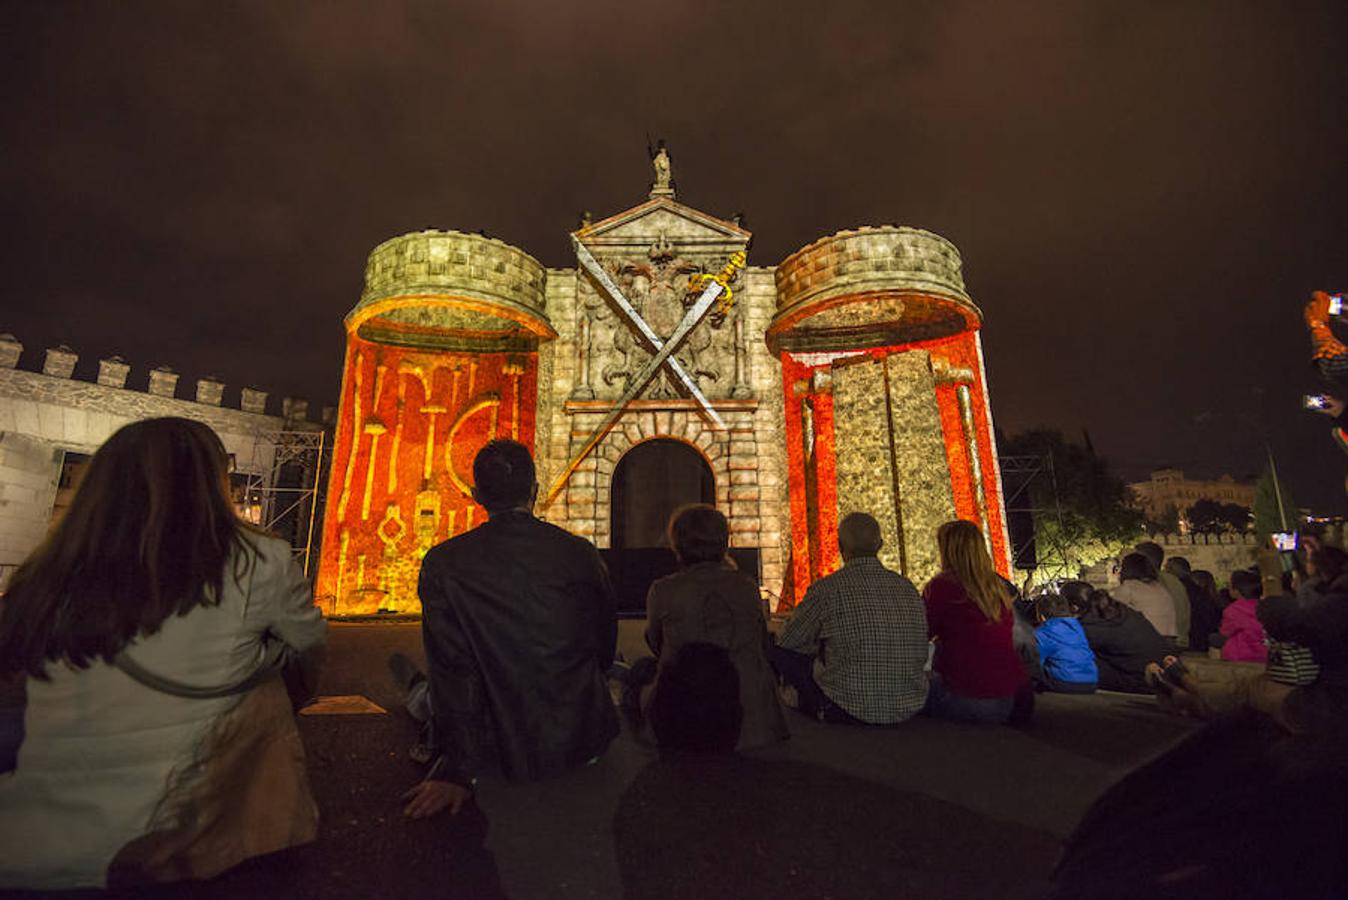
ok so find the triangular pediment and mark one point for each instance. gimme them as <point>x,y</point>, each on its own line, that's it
<point>661,216</point>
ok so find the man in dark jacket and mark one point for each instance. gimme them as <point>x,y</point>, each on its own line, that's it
<point>519,625</point>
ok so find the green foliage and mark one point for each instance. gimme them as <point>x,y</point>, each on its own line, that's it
<point>1096,522</point>
<point>1266,516</point>
<point>1213,517</point>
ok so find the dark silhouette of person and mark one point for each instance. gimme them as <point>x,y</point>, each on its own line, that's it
<point>519,624</point>
<point>704,821</point>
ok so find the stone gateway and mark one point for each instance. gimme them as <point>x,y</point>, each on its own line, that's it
<point>849,377</point>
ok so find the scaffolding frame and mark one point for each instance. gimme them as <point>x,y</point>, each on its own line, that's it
<point>286,480</point>
<point>1020,475</point>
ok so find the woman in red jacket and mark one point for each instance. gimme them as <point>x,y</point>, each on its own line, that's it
<point>976,675</point>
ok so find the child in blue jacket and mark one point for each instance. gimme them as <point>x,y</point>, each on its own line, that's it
<point>1064,655</point>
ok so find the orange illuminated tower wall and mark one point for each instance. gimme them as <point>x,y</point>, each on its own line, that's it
<point>409,426</point>
<point>441,357</point>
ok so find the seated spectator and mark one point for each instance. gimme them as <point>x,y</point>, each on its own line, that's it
<point>1326,572</point>
<point>1121,638</point>
<point>1203,615</point>
<point>1244,635</point>
<point>1321,706</point>
<point>1026,617</point>
<point>1179,597</point>
<point>1210,599</point>
<point>1279,798</point>
<point>710,601</point>
<point>1065,657</point>
<point>976,675</point>
<point>519,626</point>
<point>1139,589</point>
<point>153,623</point>
<point>864,632</point>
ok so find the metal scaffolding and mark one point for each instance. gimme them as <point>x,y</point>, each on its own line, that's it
<point>1030,491</point>
<point>284,488</point>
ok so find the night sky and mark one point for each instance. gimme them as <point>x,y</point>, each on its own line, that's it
<point>1143,193</point>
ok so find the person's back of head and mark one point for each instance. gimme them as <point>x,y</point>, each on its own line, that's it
<point>1152,551</point>
<point>1178,566</point>
<point>1206,581</point>
<point>147,535</point>
<point>1105,607</point>
<point>696,704</point>
<point>1077,594</point>
<point>1053,605</point>
<point>859,536</point>
<point>1330,563</point>
<point>504,477</point>
<point>964,554</point>
<point>698,533</point>
<point>1136,567</point>
<point>1246,583</point>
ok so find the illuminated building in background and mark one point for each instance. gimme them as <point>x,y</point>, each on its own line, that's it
<point>662,369</point>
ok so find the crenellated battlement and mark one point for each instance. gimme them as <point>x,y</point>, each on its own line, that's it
<point>114,372</point>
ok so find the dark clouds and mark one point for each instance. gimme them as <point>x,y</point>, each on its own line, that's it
<point>1143,193</point>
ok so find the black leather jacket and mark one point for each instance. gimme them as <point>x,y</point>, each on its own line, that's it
<point>519,625</point>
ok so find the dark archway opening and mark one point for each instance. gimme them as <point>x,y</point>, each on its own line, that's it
<point>651,481</point>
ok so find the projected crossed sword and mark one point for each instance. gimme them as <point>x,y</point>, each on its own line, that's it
<point>714,287</point>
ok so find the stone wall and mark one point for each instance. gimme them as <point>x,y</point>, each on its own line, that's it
<point>452,262</point>
<point>44,416</point>
<point>866,470</point>
<point>872,258</point>
<point>1220,554</point>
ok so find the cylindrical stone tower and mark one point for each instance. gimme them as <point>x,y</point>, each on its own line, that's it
<point>441,357</point>
<point>886,399</point>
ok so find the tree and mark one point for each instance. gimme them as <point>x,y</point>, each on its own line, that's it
<point>1213,517</point>
<point>1167,522</point>
<point>1096,521</point>
<point>1268,513</point>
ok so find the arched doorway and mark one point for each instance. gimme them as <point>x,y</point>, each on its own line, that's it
<point>652,480</point>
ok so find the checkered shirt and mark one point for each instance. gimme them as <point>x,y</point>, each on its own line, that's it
<point>868,627</point>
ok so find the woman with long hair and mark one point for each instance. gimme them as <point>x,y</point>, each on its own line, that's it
<point>976,674</point>
<point>149,624</point>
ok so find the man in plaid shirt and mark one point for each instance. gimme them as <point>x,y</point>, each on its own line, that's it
<point>856,647</point>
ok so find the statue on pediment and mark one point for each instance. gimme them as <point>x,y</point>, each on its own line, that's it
<point>664,171</point>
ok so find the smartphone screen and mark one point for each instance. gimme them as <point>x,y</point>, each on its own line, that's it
<point>1285,541</point>
<point>1336,304</point>
<point>1314,401</point>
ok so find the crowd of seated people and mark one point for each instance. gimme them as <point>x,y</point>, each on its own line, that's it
<point>165,657</point>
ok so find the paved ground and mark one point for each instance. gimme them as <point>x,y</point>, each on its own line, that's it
<point>954,811</point>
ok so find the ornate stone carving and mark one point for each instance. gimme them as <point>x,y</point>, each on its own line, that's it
<point>610,350</point>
